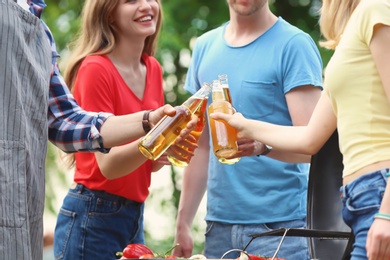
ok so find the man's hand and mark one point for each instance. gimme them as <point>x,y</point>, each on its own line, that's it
<point>186,244</point>
<point>160,112</point>
<point>184,150</point>
<point>186,131</point>
<point>248,147</point>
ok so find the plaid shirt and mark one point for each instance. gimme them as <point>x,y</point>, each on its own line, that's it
<point>70,128</point>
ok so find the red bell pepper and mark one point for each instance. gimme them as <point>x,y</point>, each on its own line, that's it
<point>135,251</point>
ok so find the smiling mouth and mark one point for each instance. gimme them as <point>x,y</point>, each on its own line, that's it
<point>145,19</point>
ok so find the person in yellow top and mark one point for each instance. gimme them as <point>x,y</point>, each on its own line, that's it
<point>356,101</point>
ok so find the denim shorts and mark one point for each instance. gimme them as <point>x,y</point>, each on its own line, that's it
<point>96,224</point>
<point>221,237</point>
<point>361,201</point>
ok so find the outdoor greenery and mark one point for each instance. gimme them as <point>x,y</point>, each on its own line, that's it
<point>184,20</point>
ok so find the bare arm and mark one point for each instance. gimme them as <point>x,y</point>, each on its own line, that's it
<point>296,139</point>
<point>378,239</point>
<point>194,187</point>
<point>122,160</point>
<point>118,130</point>
<point>301,102</point>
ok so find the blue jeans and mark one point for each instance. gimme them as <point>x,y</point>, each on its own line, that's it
<point>221,237</point>
<point>361,200</point>
<point>96,225</point>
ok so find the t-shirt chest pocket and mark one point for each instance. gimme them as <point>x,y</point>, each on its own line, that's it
<point>256,99</point>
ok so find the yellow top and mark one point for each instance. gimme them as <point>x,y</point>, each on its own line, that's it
<point>356,91</point>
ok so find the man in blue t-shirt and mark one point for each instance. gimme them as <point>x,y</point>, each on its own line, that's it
<point>275,75</point>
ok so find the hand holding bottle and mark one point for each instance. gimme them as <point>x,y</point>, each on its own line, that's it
<point>167,110</point>
<point>159,113</point>
<point>224,136</point>
<point>168,129</point>
<point>236,120</point>
<point>184,151</point>
<point>181,152</point>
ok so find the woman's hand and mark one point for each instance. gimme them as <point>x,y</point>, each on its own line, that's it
<point>184,133</point>
<point>183,150</point>
<point>378,240</point>
<point>159,113</point>
<point>237,120</point>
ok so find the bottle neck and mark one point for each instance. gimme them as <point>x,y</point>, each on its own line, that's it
<point>221,94</point>
<point>194,102</point>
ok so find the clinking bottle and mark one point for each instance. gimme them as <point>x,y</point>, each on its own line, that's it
<point>166,131</point>
<point>223,81</point>
<point>201,114</point>
<point>224,136</point>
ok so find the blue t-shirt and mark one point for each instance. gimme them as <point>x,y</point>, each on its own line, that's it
<point>257,189</point>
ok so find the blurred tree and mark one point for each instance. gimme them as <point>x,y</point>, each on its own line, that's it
<point>184,20</point>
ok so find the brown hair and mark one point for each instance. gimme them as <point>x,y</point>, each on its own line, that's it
<point>98,35</point>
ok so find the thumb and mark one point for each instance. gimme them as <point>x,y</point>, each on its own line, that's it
<point>169,110</point>
<point>219,116</point>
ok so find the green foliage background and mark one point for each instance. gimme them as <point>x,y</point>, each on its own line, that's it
<point>184,20</point>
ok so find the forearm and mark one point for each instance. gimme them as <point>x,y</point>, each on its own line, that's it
<point>194,186</point>
<point>193,189</point>
<point>118,130</point>
<point>289,157</point>
<point>157,166</point>
<point>287,138</point>
<point>120,161</point>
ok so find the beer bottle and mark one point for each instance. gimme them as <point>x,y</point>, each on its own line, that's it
<point>201,114</point>
<point>223,81</point>
<point>166,131</point>
<point>224,136</point>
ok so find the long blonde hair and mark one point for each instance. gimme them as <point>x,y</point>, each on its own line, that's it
<point>98,35</point>
<point>334,17</point>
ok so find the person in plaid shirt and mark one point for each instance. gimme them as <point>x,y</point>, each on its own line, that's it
<point>35,106</point>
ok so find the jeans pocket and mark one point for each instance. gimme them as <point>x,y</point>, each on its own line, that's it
<point>65,222</point>
<point>362,202</point>
<point>365,201</point>
<point>299,223</point>
<point>103,207</point>
<point>209,227</point>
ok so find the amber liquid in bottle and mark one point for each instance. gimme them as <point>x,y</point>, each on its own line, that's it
<point>200,113</point>
<point>223,81</point>
<point>224,136</point>
<point>165,132</point>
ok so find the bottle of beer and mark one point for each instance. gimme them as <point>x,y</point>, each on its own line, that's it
<point>224,137</point>
<point>223,81</point>
<point>166,131</point>
<point>201,114</point>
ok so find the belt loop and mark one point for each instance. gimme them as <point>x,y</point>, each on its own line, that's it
<point>80,188</point>
<point>343,191</point>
